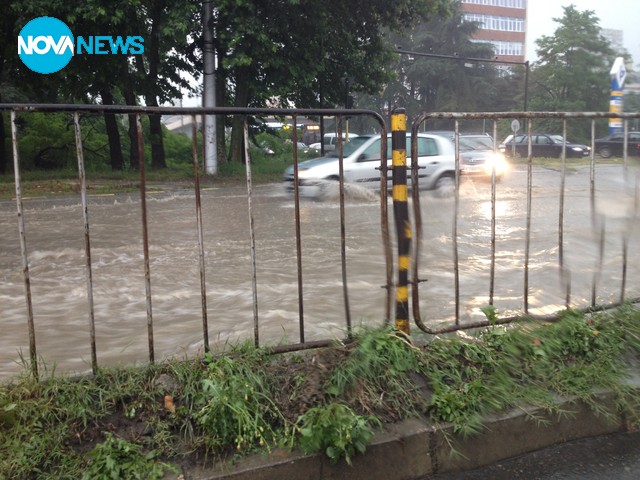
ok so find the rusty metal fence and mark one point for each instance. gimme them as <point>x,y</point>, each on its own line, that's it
<point>76,110</point>
<point>628,259</point>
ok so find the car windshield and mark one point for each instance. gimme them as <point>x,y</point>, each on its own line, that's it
<point>557,139</point>
<point>476,143</point>
<point>349,147</point>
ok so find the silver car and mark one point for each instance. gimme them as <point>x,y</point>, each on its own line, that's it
<point>361,162</point>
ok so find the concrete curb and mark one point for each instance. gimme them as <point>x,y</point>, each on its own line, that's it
<point>413,449</point>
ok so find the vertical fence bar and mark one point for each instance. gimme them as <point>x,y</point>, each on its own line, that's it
<point>87,239</point>
<point>456,203</point>
<point>625,240</point>
<point>296,204</point>
<point>145,236</point>
<point>201,258</point>
<point>401,214</point>
<point>594,219</point>
<point>565,275</point>
<point>527,246</point>
<point>343,242</point>
<point>252,232</point>
<point>492,273</point>
<point>33,356</point>
<point>384,225</point>
<point>418,229</point>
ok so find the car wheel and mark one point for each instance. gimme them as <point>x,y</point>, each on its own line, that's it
<point>445,186</point>
<point>605,152</point>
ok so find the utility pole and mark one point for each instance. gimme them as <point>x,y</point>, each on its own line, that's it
<point>209,91</point>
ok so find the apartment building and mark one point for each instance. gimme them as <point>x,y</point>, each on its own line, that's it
<point>502,23</point>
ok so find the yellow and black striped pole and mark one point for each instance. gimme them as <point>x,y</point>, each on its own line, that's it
<point>401,214</point>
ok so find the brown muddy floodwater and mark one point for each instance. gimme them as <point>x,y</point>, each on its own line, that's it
<point>55,247</point>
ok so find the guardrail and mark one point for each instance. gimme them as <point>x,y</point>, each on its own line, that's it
<point>411,253</point>
<point>76,110</point>
<point>631,184</point>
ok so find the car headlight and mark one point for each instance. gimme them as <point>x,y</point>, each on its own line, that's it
<point>304,173</point>
<point>498,161</point>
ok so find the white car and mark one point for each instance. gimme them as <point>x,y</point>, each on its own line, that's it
<point>361,162</point>
<point>331,141</point>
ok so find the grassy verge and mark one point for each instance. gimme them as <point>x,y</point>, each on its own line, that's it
<point>264,169</point>
<point>147,422</point>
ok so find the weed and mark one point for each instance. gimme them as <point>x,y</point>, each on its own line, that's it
<point>235,405</point>
<point>491,313</point>
<point>378,370</point>
<point>467,381</point>
<point>335,430</point>
<point>117,458</point>
<point>234,402</point>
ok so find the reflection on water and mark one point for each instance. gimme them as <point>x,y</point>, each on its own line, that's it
<point>548,289</point>
<point>55,245</point>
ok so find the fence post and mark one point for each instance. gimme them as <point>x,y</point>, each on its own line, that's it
<point>401,215</point>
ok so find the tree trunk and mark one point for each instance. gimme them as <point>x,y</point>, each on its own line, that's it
<point>113,133</point>
<point>152,51</point>
<point>157,144</point>
<point>237,134</point>
<point>221,101</point>
<point>130,99</point>
<point>3,143</point>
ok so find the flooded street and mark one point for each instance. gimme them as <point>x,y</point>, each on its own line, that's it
<point>55,244</point>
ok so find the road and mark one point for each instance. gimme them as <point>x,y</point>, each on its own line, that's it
<point>614,457</point>
<point>589,252</point>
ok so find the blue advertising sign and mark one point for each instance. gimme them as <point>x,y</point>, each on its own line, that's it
<point>616,101</point>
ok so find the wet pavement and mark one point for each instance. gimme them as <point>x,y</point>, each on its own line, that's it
<point>614,457</point>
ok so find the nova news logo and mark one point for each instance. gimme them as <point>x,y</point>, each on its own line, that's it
<point>46,45</point>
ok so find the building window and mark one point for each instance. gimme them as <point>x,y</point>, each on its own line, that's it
<point>491,22</point>
<point>499,3</point>
<point>504,48</point>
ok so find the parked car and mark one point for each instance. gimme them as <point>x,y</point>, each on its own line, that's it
<point>331,141</point>
<point>613,144</point>
<point>303,147</point>
<point>361,162</point>
<point>478,156</point>
<point>543,145</point>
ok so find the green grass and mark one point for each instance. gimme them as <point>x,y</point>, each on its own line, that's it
<point>37,183</point>
<point>143,422</point>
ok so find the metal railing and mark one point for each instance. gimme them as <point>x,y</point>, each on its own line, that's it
<point>529,118</point>
<point>389,283</point>
<point>76,110</point>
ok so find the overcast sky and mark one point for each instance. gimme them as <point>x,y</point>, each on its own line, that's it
<point>619,14</point>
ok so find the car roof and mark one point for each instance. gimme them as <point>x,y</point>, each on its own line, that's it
<point>451,133</point>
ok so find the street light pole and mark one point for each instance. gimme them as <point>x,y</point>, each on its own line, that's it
<point>477,60</point>
<point>348,81</point>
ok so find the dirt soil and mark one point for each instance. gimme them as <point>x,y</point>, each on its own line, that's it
<point>302,378</point>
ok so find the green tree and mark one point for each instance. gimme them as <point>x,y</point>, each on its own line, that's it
<point>296,51</point>
<point>432,84</point>
<point>572,73</point>
<point>154,76</point>
<point>17,82</point>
